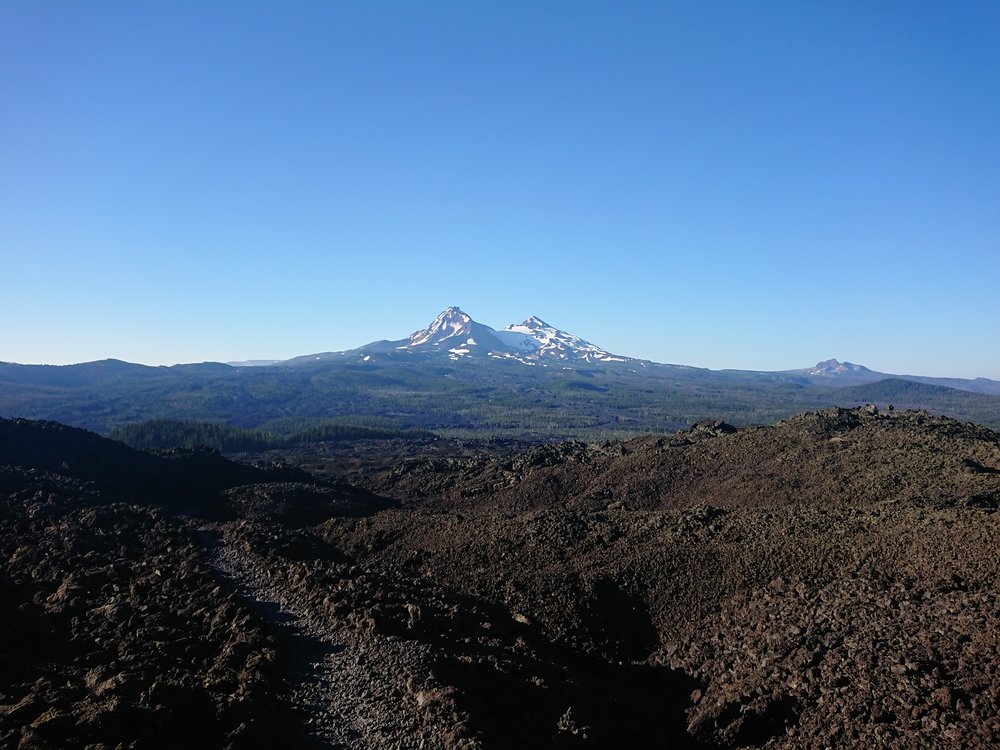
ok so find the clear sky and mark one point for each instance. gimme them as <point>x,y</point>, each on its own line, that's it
<point>754,185</point>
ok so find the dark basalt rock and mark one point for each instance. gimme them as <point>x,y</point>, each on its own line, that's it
<point>826,581</point>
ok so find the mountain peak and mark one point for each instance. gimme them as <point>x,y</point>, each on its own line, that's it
<point>533,321</point>
<point>829,363</point>
<point>451,323</point>
<point>836,367</point>
<point>452,313</point>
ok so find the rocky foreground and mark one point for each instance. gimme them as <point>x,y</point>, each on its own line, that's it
<point>830,581</point>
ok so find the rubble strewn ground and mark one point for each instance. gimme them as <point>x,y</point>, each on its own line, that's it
<point>830,581</point>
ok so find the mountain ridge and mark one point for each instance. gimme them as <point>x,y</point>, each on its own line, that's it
<point>528,379</point>
<point>535,342</point>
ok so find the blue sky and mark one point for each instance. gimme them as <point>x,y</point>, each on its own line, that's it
<point>747,185</point>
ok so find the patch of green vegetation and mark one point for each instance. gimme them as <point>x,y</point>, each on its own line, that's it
<point>579,385</point>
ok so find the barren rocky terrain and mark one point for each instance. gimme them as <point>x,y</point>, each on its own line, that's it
<point>828,581</point>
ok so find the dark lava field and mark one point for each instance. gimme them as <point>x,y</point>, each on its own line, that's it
<point>829,581</point>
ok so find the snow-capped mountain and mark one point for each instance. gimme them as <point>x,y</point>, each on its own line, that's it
<point>454,333</point>
<point>455,336</point>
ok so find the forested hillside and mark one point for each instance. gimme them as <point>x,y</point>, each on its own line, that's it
<point>165,433</point>
<point>496,398</point>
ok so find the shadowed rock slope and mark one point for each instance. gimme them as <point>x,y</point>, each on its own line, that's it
<point>116,627</point>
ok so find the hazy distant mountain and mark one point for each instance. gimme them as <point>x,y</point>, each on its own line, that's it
<point>101,372</point>
<point>833,372</point>
<point>833,368</point>
<point>255,363</point>
<point>976,385</point>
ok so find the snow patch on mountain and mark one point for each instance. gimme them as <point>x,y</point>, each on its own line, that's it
<point>543,340</point>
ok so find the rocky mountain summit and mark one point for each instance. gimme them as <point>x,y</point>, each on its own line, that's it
<point>827,581</point>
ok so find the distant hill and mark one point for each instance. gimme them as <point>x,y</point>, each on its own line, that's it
<point>903,391</point>
<point>100,372</point>
<point>835,373</point>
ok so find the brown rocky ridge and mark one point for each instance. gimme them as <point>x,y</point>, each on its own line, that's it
<point>828,581</point>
